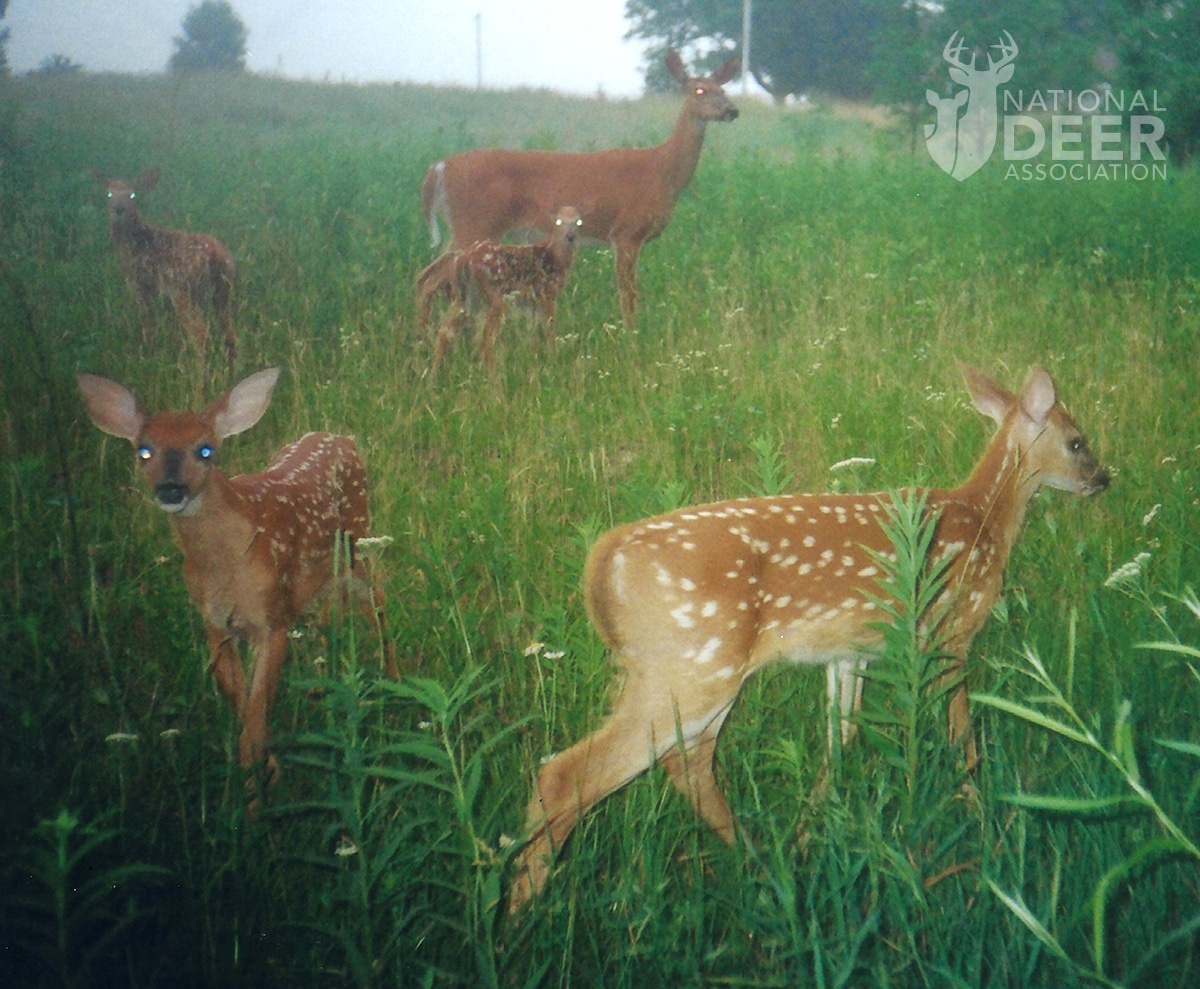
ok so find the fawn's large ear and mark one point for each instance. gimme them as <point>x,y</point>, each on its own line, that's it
<point>989,398</point>
<point>113,408</point>
<point>147,180</point>
<point>243,405</point>
<point>1038,395</point>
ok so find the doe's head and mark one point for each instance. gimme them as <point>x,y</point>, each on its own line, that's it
<point>707,94</point>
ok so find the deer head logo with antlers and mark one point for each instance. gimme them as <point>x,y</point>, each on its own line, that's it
<point>961,144</point>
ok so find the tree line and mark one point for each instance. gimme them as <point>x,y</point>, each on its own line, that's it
<point>887,51</point>
<point>890,51</point>
<point>213,39</point>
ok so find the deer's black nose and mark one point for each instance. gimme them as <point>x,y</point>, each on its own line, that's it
<point>170,495</point>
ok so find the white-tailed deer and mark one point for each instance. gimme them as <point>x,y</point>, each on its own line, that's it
<point>627,194</point>
<point>257,548</point>
<point>693,602</point>
<point>193,271</point>
<point>494,272</point>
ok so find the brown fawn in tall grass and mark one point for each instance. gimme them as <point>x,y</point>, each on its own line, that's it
<point>257,548</point>
<point>693,602</point>
<point>627,194</point>
<point>494,273</point>
<point>192,271</point>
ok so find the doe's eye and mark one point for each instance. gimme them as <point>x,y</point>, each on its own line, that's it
<point>204,452</point>
<point>144,453</point>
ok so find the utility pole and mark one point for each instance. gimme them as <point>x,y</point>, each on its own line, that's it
<point>479,50</point>
<point>746,10</point>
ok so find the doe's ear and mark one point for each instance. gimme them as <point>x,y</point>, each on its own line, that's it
<point>113,408</point>
<point>675,67</point>
<point>244,404</point>
<point>726,72</point>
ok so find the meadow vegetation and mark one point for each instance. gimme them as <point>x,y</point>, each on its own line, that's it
<point>805,307</point>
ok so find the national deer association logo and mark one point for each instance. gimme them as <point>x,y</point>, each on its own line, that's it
<point>962,144</point>
<point>1045,134</point>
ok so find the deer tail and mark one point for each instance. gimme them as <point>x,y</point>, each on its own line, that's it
<point>433,196</point>
<point>602,577</point>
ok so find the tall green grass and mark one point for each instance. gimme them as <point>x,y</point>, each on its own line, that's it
<point>804,306</point>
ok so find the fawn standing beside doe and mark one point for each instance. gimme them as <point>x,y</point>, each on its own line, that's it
<point>494,272</point>
<point>693,602</point>
<point>257,548</point>
<point>191,270</point>
<point>627,194</point>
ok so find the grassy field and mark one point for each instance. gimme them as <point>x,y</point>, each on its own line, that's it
<point>806,305</point>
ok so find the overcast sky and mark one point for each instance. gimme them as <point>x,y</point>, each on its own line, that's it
<point>572,47</point>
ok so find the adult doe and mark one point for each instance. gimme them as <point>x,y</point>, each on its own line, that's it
<point>693,602</point>
<point>257,548</point>
<point>627,194</point>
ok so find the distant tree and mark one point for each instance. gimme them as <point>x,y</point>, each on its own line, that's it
<point>707,26</point>
<point>1162,51</point>
<point>796,46</point>
<point>214,38</point>
<point>3,40</point>
<point>57,65</point>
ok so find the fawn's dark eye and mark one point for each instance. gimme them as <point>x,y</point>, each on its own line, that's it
<point>144,452</point>
<point>1075,445</point>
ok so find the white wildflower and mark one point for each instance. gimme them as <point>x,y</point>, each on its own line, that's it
<point>121,736</point>
<point>1127,573</point>
<point>853,462</point>
<point>1149,516</point>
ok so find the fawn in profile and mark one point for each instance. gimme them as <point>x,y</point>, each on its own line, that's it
<point>192,271</point>
<point>627,194</point>
<point>257,548</point>
<point>693,602</point>
<point>494,272</point>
